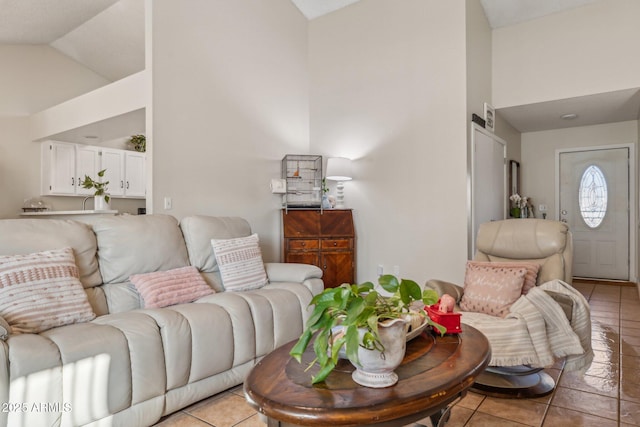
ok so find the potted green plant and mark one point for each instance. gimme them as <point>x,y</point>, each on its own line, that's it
<point>101,197</point>
<point>139,143</point>
<point>348,318</point>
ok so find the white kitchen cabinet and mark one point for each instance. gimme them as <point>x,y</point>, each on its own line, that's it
<point>125,171</point>
<point>64,166</point>
<point>87,164</point>
<point>113,162</point>
<point>135,177</point>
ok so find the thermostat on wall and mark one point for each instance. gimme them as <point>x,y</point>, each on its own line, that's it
<point>278,186</point>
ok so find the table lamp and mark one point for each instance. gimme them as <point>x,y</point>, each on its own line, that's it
<point>339,169</point>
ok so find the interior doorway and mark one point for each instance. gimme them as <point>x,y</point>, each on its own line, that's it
<point>594,199</point>
<point>488,190</point>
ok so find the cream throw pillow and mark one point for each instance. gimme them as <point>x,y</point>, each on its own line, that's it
<point>42,290</point>
<point>176,286</point>
<point>491,289</point>
<point>240,262</point>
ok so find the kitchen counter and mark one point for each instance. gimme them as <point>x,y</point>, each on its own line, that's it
<point>77,215</point>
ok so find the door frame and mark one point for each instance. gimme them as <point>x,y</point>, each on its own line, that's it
<point>471,169</point>
<point>633,207</point>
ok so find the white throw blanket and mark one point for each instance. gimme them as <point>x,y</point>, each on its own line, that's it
<point>537,332</point>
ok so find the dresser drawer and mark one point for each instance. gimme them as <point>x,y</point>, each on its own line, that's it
<point>336,244</point>
<point>303,244</point>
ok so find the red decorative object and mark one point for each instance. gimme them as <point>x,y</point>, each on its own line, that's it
<point>451,321</point>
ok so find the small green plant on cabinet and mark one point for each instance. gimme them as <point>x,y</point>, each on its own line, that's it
<point>101,187</point>
<point>139,143</point>
<point>358,306</point>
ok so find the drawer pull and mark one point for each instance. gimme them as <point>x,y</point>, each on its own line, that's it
<point>335,243</point>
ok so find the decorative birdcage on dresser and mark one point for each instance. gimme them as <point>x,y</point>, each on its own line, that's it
<point>303,176</point>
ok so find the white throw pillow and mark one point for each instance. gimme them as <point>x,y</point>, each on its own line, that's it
<point>42,290</point>
<point>240,262</point>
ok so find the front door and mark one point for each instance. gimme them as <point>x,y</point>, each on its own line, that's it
<point>594,201</point>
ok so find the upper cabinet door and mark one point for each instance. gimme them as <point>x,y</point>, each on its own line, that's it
<point>58,168</point>
<point>113,161</point>
<point>87,164</point>
<point>135,177</point>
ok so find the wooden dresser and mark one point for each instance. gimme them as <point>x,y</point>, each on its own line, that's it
<point>323,238</point>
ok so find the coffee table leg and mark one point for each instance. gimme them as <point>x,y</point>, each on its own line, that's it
<point>440,418</point>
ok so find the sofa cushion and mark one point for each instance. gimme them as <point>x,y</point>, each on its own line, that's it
<point>491,290</point>
<point>25,236</point>
<point>40,291</point>
<point>164,288</point>
<point>240,262</point>
<point>199,230</point>
<point>134,244</point>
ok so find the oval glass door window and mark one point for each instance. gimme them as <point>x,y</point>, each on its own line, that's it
<point>592,196</point>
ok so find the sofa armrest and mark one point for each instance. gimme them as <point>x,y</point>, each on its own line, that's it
<point>443,287</point>
<point>5,329</point>
<point>291,272</point>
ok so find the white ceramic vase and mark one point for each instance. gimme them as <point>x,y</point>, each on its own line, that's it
<point>376,369</point>
<point>100,204</point>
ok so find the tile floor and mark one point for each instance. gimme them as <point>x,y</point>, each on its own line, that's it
<point>608,394</point>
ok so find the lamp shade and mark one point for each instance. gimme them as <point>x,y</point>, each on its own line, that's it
<point>339,169</point>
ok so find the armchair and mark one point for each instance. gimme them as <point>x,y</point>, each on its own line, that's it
<point>544,322</point>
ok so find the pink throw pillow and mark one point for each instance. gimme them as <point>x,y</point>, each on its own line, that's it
<point>530,279</point>
<point>177,286</point>
<point>490,289</point>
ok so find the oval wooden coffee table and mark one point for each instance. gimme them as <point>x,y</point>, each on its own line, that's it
<point>435,373</point>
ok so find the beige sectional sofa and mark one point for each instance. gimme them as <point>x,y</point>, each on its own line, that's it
<point>132,365</point>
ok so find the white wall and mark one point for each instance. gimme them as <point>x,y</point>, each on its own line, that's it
<point>539,150</point>
<point>32,78</point>
<point>478,39</point>
<point>588,50</point>
<point>388,89</point>
<point>230,99</point>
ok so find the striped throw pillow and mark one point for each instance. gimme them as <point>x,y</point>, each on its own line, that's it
<point>42,290</point>
<point>240,263</point>
<point>176,286</point>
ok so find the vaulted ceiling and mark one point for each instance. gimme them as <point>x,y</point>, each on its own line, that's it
<point>107,36</point>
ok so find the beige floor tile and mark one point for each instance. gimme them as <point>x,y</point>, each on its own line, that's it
<point>471,401</point>
<point>590,403</point>
<point>480,419</point>
<point>611,345</point>
<point>225,411</point>
<point>524,411</point>
<point>629,332</point>
<point>180,419</point>
<point>459,416</point>
<point>629,324</point>
<point>630,412</point>
<point>252,421</point>
<point>562,417</point>
<point>609,319</point>
<point>632,315</point>
<point>603,386</point>
<point>609,370</point>
<point>605,306</point>
<point>628,349</point>
<point>630,391</point>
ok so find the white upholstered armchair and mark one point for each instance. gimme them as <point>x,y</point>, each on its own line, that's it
<point>518,292</point>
